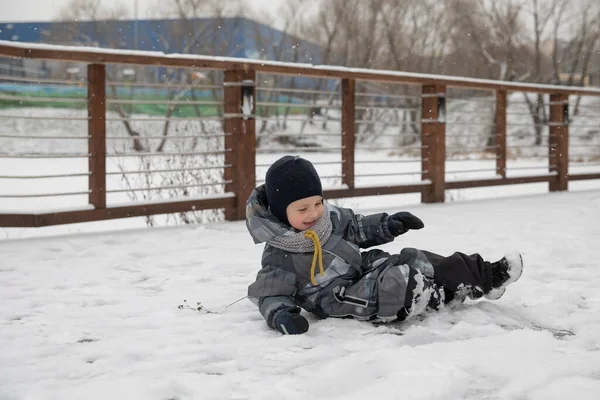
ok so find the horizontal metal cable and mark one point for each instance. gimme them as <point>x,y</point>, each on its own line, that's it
<point>470,123</point>
<point>396,135</point>
<point>472,148</point>
<point>585,106</point>
<point>167,137</point>
<point>471,100</point>
<point>286,118</point>
<point>153,171</point>
<point>518,135</point>
<point>466,171</point>
<point>574,125</point>
<point>24,196</point>
<point>486,135</point>
<point>519,113</point>
<point>163,85</point>
<point>537,174</point>
<point>528,168</point>
<point>524,102</point>
<point>578,164</point>
<point>301,150</point>
<point>165,119</point>
<point>385,95</point>
<point>528,125</point>
<point>583,117</point>
<point>321,177</point>
<point>313,163</point>
<point>10,136</point>
<point>333,176</point>
<point>51,118</point>
<point>161,154</point>
<point>390,174</point>
<point>168,187</point>
<point>390,161</point>
<point>382,107</point>
<point>461,153</point>
<point>525,146</point>
<point>276,89</point>
<point>291,105</point>
<point>297,135</point>
<point>379,122</point>
<point>44,176</point>
<point>532,156</point>
<point>461,112</point>
<point>43,80</point>
<point>390,148</point>
<point>50,155</point>
<point>188,102</point>
<point>472,159</point>
<point>45,99</point>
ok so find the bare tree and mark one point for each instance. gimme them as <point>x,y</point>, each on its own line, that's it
<point>490,31</point>
<point>577,54</point>
<point>282,45</point>
<point>416,38</point>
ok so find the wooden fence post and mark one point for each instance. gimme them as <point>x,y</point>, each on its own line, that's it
<point>433,138</point>
<point>501,133</point>
<point>96,76</point>
<point>348,131</point>
<point>240,140</point>
<point>558,143</point>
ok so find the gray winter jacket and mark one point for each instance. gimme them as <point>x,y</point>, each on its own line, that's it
<point>363,285</point>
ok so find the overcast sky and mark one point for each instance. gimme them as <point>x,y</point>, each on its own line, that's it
<point>48,10</point>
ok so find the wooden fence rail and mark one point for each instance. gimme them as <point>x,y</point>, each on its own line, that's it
<point>240,137</point>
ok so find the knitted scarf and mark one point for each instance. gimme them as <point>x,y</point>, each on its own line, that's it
<point>296,242</point>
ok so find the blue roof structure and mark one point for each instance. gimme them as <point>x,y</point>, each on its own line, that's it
<point>233,37</point>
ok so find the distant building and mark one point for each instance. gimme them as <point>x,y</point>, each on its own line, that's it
<point>231,37</point>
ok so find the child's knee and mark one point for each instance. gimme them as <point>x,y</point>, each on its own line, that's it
<point>423,296</point>
<point>416,259</point>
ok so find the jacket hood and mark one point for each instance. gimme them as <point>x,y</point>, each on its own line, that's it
<point>260,222</point>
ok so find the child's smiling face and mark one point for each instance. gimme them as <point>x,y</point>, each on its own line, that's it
<point>303,214</point>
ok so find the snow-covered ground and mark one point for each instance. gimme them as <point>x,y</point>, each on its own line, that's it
<point>95,316</point>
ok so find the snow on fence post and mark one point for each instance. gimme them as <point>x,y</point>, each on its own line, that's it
<point>348,131</point>
<point>558,143</point>
<point>240,138</point>
<point>433,139</point>
<point>96,76</point>
<point>501,133</point>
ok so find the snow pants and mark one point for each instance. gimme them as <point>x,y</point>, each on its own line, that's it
<point>435,279</point>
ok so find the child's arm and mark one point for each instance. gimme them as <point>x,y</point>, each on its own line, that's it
<point>273,291</point>
<point>364,230</point>
<point>375,229</point>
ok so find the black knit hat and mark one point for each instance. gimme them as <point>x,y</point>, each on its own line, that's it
<point>289,179</point>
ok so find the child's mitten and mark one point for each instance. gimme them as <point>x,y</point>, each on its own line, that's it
<point>290,322</point>
<point>402,221</point>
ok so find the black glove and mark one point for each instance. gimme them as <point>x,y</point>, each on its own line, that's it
<point>290,322</point>
<point>402,221</point>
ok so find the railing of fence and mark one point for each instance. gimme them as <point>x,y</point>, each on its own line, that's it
<point>202,135</point>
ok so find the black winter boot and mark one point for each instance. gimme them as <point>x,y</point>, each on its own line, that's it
<point>504,272</point>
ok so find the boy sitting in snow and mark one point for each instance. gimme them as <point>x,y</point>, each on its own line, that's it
<point>312,258</point>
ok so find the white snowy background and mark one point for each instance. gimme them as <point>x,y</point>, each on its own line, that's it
<point>94,315</point>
